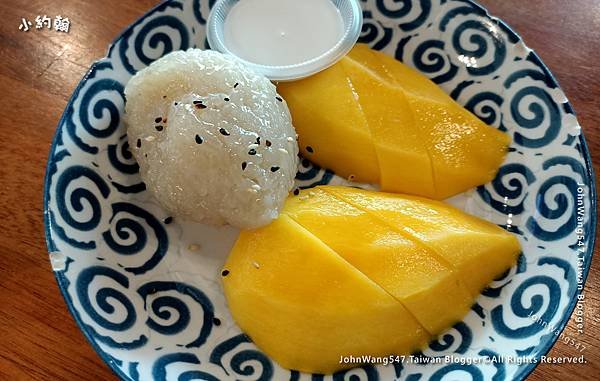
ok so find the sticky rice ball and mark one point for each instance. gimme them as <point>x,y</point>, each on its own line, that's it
<point>214,140</point>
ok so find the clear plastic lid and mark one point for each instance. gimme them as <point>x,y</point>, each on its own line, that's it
<point>350,12</point>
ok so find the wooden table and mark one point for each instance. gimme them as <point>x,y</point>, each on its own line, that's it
<point>39,70</point>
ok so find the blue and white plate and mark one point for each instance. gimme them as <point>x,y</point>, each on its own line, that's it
<point>146,291</point>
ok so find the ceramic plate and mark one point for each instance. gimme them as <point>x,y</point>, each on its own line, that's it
<point>150,301</point>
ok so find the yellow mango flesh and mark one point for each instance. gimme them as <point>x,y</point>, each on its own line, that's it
<point>333,126</point>
<point>419,140</point>
<point>345,271</point>
<point>465,151</point>
<point>298,303</point>
<point>408,271</point>
<point>477,250</point>
<point>385,108</point>
<point>410,80</point>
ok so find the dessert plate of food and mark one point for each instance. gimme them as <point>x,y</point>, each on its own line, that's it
<point>320,190</point>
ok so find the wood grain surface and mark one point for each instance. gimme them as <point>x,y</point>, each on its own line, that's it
<point>38,72</point>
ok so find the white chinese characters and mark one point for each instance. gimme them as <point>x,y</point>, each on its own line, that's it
<point>40,22</point>
<point>61,24</point>
<point>25,24</point>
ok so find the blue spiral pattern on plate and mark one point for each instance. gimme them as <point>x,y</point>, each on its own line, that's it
<point>165,306</point>
<point>243,362</point>
<point>159,369</point>
<point>126,227</point>
<point>150,319</point>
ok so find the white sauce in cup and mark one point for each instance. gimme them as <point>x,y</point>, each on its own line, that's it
<point>282,32</point>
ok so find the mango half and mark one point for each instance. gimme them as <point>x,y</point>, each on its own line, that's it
<point>339,273</point>
<point>372,119</point>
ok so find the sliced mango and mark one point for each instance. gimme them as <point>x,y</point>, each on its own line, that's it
<point>477,250</point>
<point>465,152</point>
<point>362,54</point>
<point>410,80</point>
<point>415,137</point>
<point>345,271</point>
<point>385,108</point>
<point>305,306</point>
<point>335,128</point>
<point>407,270</point>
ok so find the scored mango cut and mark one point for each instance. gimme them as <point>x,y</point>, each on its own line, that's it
<point>477,250</point>
<point>412,82</point>
<point>306,307</point>
<point>465,151</point>
<point>419,140</point>
<point>345,271</point>
<point>385,108</point>
<point>408,271</point>
<point>335,129</point>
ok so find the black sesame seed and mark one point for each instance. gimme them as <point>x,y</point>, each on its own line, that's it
<point>296,192</point>
<point>158,128</point>
<point>225,272</point>
<point>197,102</point>
<point>158,120</point>
<point>216,321</point>
<point>165,120</point>
<point>258,140</point>
<point>138,144</point>
<point>145,155</point>
<point>223,131</point>
<point>252,152</point>
<point>168,220</point>
<point>164,96</point>
<point>244,165</point>
<point>109,177</point>
<point>200,106</point>
<point>94,164</point>
<point>268,143</point>
<point>226,99</point>
<point>199,139</point>
<point>309,149</point>
<point>175,103</point>
<point>274,169</point>
<point>279,99</point>
<point>236,85</point>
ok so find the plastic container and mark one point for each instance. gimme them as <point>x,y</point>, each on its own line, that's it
<point>350,11</point>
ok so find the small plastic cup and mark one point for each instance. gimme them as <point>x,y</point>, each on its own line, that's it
<point>350,11</point>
